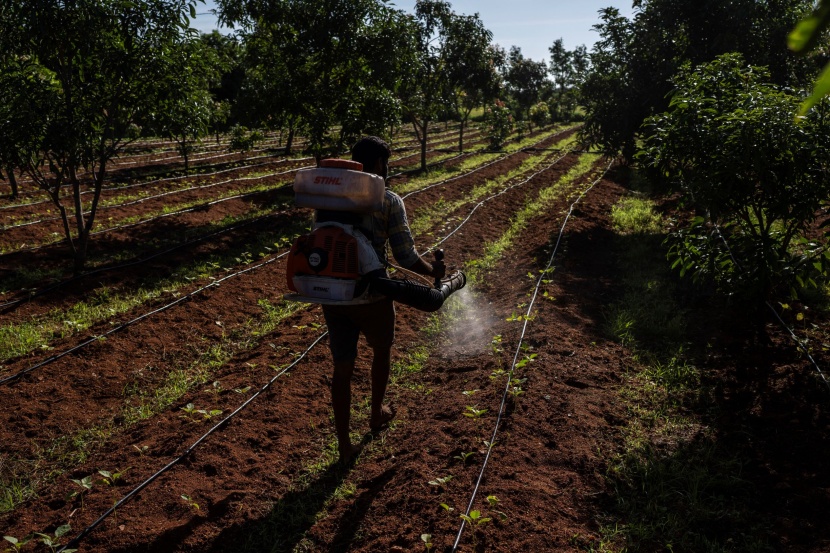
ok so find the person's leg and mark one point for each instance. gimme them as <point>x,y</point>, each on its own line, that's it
<point>341,402</point>
<point>381,414</point>
<point>343,335</point>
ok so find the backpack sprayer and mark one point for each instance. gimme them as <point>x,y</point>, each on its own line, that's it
<point>335,264</point>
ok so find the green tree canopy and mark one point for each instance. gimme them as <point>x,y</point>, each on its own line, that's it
<point>95,68</point>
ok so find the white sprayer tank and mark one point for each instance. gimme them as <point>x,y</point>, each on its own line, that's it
<point>339,185</point>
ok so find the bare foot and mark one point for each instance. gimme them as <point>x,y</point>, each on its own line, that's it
<point>387,414</point>
<point>350,454</point>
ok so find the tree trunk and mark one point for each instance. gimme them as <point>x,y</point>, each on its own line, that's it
<point>12,182</point>
<point>423,140</point>
<point>289,141</point>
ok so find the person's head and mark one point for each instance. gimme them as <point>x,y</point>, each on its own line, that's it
<point>374,154</point>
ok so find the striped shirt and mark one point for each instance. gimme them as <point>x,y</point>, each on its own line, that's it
<point>391,226</point>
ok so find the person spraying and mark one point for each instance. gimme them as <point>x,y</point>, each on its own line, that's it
<point>342,265</point>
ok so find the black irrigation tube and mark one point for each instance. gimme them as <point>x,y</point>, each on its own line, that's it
<point>515,359</point>
<point>77,539</point>
<point>131,322</point>
<point>798,342</point>
<point>74,541</point>
<point>122,326</point>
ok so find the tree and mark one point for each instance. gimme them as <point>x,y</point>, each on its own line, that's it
<point>98,65</point>
<point>426,89</point>
<point>324,66</point>
<point>634,59</point>
<point>756,174</point>
<point>183,96</point>
<point>525,79</point>
<point>472,65</point>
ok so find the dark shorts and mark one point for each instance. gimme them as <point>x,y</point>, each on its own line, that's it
<point>345,323</point>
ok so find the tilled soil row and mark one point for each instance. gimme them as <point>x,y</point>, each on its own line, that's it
<point>198,326</point>
<point>143,240</point>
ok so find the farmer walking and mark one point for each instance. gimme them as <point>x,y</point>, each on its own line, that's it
<point>387,227</point>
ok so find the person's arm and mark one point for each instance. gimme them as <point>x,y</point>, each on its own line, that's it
<point>403,246</point>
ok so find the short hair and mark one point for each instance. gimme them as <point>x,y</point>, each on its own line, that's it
<point>369,149</point>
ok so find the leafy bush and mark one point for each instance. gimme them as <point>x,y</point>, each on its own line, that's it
<point>244,140</point>
<point>755,173</point>
<point>540,114</point>
<point>499,124</point>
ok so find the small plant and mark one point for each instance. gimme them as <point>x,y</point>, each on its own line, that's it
<point>447,507</point>
<point>439,482</point>
<point>527,359</point>
<point>474,412</point>
<point>111,478</point>
<point>427,539</point>
<point>52,541</point>
<point>18,543</point>
<point>476,519</point>
<point>464,456</point>
<point>86,483</point>
<point>498,373</point>
<point>190,503</point>
<point>215,388</point>
<point>469,393</point>
<point>243,390</point>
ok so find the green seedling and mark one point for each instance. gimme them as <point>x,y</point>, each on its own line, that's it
<point>216,388</point>
<point>495,343</point>
<point>86,483</point>
<point>464,456</point>
<point>514,318</point>
<point>141,450</point>
<point>242,390</point>
<point>469,393</point>
<point>447,507</point>
<point>473,412</point>
<point>53,542</point>
<point>18,543</point>
<point>492,500</point>
<point>440,481</point>
<point>498,373</point>
<point>207,415</point>
<point>475,518</point>
<point>527,359</point>
<point>110,478</point>
<point>190,503</point>
<point>427,539</point>
<point>489,445</point>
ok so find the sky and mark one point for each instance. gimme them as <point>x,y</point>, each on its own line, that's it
<point>532,25</point>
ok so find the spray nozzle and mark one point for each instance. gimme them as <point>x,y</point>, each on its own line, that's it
<point>439,262</point>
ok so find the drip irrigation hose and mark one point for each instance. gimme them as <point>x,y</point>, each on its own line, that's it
<point>86,531</point>
<point>516,357</point>
<point>798,342</point>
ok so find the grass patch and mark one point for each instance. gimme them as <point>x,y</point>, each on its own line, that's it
<point>675,488</point>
